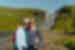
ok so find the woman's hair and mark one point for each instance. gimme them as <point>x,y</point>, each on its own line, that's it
<point>24,20</point>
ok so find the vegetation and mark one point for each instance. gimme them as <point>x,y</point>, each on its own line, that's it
<point>10,17</point>
<point>65,22</point>
<point>70,44</point>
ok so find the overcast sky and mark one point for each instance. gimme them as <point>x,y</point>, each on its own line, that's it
<point>50,5</point>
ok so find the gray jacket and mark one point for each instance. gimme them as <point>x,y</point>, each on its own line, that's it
<point>40,35</point>
<point>32,38</point>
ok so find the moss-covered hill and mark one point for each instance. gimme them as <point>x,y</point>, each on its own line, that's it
<point>10,17</point>
<point>65,19</point>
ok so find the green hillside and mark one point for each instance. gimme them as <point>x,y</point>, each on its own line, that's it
<point>64,20</point>
<point>9,17</point>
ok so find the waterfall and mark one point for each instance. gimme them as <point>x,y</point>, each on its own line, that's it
<point>49,20</point>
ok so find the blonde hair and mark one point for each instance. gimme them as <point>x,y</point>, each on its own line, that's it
<point>26,20</point>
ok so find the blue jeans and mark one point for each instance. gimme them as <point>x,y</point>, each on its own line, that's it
<point>15,47</point>
<point>31,47</point>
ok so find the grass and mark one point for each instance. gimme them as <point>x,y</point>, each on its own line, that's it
<point>9,18</point>
<point>8,23</point>
<point>61,24</point>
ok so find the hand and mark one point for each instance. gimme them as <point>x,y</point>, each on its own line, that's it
<point>37,40</point>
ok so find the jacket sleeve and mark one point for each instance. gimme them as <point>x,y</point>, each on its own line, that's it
<point>13,38</point>
<point>40,35</point>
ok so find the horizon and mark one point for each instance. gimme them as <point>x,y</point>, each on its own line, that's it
<point>50,5</point>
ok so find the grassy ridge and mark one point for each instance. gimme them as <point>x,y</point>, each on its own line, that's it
<point>8,23</point>
<point>67,25</point>
<point>64,21</point>
<point>10,17</point>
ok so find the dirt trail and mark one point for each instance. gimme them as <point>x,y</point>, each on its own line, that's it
<point>3,43</point>
<point>52,40</point>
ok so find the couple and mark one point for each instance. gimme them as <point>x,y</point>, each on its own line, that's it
<point>27,37</point>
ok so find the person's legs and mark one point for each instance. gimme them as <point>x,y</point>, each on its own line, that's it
<point>35,48</point>
<point>24,48</point>
<point>31,47</point>
<point>15,47</point>
<point>20,48</point>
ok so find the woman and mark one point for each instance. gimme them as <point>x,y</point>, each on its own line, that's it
<point>20,36</point>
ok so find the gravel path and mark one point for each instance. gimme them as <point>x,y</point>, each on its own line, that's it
<point>3,43</point>
<point>50,39</point>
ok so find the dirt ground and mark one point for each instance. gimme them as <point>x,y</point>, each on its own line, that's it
<point>53,41</point>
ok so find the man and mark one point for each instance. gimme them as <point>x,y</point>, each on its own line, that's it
<point>32,35</point>
<point>35,37</point>
<point>20,37</point>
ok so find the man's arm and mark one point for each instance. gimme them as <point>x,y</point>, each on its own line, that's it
<point>40,36</point>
